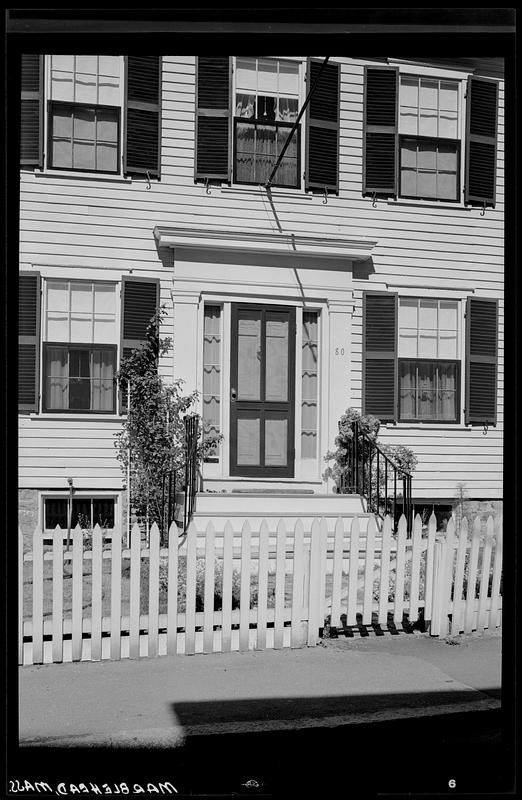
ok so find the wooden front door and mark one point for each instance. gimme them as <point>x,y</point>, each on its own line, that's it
<point>262,391</point>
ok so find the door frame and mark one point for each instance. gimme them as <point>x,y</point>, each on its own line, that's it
<point>265,409</point>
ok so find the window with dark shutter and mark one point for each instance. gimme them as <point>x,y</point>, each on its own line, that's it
<point>213,118</point>
<point>28,340</point>
<point>379,355</point>
<point>481,361</point>
<point>322,130</point>
<point>139,303</point>
<point>481,141</point>
<point>143,115</point>
<point>31,112</point>
<point>380,131</point>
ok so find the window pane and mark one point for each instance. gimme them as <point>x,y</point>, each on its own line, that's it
<point>428,94</point>
<point>448,315</point>
<point>408,343</point>
<point>81,297</point>
<point>103,512</point>
<point>61,155</point>
<point>87,64</point>
<point>84,156</point>
<point>62,86</point>
<point>248,450</point>
<point>81,328</point>
<point>85,88</point>
<point>249,358</point>
<point>245,147</point>
<point>106,126</point>
<point>409,99</point>
<point>448,96</point>
<point>448,346</point>
<point>57,296</point>
<point>246,77</point>
<point>55,513</point>
<point>84,124</point>
<point>110,65</point>
<point>427,156</point>
<point>57,384</point>
<point>104,330</point>
<point>427,344</point>
<point>65,63</point>
<point>407,393</point>
<point>448,125</point>
<point>409,154</point>
<point>57,327</point>
<point>104,298</point>
<point>107,158</point>
<point>245,105</point>
<point>408,183</point>
<point>447,157</point>
<point>287,112</point>
<point>427,122</point>
<point>288,78</point>
<point>266,107</point>
<point>428,314</point>
<point>408,314</point>
<point>446,186</point>
<point>62,122</point>
<point>276,387</point>
<point>267,75</point>
<point>426,184</point>
<point>426,391</point>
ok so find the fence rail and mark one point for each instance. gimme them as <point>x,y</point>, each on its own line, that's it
<point>241,589</point>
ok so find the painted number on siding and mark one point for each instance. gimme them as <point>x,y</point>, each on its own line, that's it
<point>339,351</point>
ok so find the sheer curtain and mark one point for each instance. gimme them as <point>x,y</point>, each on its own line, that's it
<point>102,380</point>
<point>57,371</point>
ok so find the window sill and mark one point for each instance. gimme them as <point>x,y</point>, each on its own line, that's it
<point>433,204</point>
<point>90,176</point>
<point>275,191</point>
<point>73,416</point>
<point>416,426</point>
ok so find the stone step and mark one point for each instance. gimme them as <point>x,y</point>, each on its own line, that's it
<point>286,504</point>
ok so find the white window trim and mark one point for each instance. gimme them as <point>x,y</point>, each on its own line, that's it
<point>292,191</point>
<point>59,494</point>
<point>79,173</point>
<point>57,276</point>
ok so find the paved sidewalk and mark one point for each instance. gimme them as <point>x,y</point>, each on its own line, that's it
<point>159,702</point>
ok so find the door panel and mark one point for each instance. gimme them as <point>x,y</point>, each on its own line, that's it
<point>262,391</point>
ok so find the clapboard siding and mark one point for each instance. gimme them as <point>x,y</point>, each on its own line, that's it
<point>75,223</point>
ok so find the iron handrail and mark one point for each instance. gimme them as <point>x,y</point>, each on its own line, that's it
<point>363,456</point>
<point>191,467</point>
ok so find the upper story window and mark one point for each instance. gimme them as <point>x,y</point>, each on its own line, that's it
<point>266,107</point>
<point>419,129</point>
<point>429,133</point>
<point>97,114</point>
<point>85,112</point>
<point>245,111</point>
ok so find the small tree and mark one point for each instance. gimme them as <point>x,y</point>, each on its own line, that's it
<point>153,432</point>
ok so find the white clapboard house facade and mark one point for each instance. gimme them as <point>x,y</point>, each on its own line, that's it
<point>367,273</point>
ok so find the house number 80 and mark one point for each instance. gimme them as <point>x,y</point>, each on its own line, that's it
<point>339,351</point>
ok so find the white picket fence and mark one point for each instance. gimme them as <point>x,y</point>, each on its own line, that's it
<point>275,587</point>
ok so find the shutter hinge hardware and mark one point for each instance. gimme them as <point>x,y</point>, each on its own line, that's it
<point>485,429</point>
<point>483,212</point>
<point>325,201</point>
<point>207,186</point>
<point>148,180</point>
<point>374,200</point>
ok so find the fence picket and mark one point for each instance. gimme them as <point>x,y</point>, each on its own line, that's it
<point>96,605</point>
<point>368,572</point>
<point>153,610</point>
<point>493,620</point>
<point>398,608</point>
<point>134,592</point>
<point>314,597</point>
<point>279,606</point>
<point>297,585</point>
<point>428,568</point>
<point>484,575</point>
<point>457,621</point>
<point>190,591</point>
<point>416,544</point>
<point>115,647</point>
<point>447,580</point>
<point>262,586</point>
<point>244,597</point>
<point>57,595</point>
<point>208,608</point>
<point>353,569</point>
<point>322,582</point>
<point>172,592</point>
<point>472,576</point>
<point>337,575</point>
<point>226,592</point>
<point>37,649</point>
<point>384,576</point>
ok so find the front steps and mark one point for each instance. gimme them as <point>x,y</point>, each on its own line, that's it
<point>274,505</point>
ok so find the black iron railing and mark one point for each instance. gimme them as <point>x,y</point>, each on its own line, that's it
<point>371,473</point>
<point>191,468</point>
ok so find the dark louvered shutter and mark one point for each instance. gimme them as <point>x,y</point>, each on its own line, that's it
<point>140,302</point>
<point>481,361</point>
<point>31,111</point>
<point>28,340</point>
<point>213,118</point>
<point>322,129</point>
<point>143,115</point>
<point>380,147</point>
<point>379,355</point>
<point>481,141</point>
